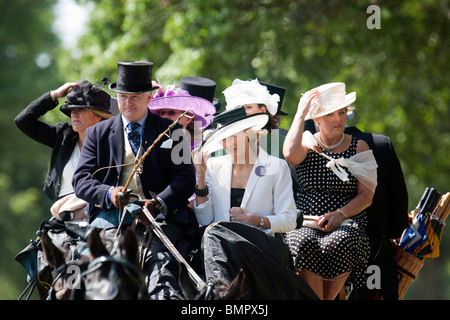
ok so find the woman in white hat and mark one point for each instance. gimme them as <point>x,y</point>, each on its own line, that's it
<point>255,97</point>
<point>245,170</point>
<point>259,97</point>
<point>243,196</point>
<point>337,179</point>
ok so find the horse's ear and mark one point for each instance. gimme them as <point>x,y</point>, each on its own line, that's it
<point>52,254</point>
<point>95,244</point>
<point>102,234</point>
<point>185,282</point>
<point>235,289</point>
<point>130,245</point>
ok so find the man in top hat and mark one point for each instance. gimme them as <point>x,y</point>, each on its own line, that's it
<point>107,161</point>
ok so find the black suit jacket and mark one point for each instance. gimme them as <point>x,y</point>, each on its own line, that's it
<point>60,137</point>
<point>388,213</point>
<point>102,155</point>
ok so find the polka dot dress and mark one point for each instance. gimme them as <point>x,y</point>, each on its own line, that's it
<point>345,249</point>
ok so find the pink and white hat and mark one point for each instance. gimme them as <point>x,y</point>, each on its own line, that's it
<point>177,99</point>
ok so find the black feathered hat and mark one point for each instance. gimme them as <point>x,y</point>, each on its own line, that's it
<point>87,95</point>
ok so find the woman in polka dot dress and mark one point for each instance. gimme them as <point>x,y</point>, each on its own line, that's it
<point>337,178</point>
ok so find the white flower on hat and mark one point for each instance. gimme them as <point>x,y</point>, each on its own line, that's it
<point>248,92</point>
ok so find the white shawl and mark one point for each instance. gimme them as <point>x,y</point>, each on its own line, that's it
<point>362,165</point>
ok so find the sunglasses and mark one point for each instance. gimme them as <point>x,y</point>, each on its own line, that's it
<point>169,113</point>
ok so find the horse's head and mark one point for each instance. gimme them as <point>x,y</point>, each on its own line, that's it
<point>67,265</point>
<point>214,290</point>
<point>115,274</point>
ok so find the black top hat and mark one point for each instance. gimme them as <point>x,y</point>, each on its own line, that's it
<point>87,95</point>
<point>278,90</point>
<point>200,87</point>
<point>133,77</point>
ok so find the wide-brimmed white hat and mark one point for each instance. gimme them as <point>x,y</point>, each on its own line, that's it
<point>251,91</point>
<point>331,97</point>
<point>227,124</point>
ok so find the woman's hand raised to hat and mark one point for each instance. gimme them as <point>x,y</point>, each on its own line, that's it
<point>63,90</point>
<point>293,150</point>
<point>305,102</point>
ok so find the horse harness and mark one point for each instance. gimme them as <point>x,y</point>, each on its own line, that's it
<point>62,269</point>
<point>131,270</point>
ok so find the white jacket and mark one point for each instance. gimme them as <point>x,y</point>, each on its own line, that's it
<point>267,194</point>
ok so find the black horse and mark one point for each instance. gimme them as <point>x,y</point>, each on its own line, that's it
<point>117,274</point>
<point>66,264</point>
<point>216,289</point>
<point>114,275</point>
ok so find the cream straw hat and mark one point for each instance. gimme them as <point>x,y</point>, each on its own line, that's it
<point>331,97</point>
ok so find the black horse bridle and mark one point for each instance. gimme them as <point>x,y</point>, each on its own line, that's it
<point>132,271</point>
<point>62,269</point>
<point>136,273</point>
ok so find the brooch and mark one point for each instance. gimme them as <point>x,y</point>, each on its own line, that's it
<point>260,171</point>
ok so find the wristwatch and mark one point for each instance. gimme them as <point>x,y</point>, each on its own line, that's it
<point>261,222</point>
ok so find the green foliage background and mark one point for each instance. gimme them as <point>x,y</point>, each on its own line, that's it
<point>400,73</point>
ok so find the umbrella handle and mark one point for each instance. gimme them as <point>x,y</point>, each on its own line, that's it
<point>430,200</point>
<point>423,198</point>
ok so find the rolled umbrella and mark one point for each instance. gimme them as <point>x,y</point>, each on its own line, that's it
<point>422,238</point>
<point>416,234</point>
<point>430,247</point>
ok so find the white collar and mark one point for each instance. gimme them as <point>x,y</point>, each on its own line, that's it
<point>141,121</point>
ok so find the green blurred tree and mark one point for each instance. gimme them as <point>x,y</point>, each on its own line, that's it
<point>28,69</point>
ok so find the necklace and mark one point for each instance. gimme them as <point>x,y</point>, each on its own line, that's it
<point>334,146</point>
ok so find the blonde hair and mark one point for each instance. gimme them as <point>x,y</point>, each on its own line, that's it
<point>104,115</point>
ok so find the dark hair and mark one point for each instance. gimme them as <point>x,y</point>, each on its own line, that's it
<point>274,120</point>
